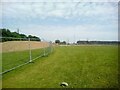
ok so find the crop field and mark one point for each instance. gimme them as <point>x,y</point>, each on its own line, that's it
<point>80,66</point>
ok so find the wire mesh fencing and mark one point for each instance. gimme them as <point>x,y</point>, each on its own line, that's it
<point>0,64</point>
<point>17,52</point>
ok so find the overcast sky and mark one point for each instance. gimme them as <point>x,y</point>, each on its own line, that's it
<point>69,21</point>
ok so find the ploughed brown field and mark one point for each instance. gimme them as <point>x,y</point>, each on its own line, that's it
<point>10,46</point>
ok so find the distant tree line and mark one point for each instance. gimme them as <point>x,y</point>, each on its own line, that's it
<point>97,42</point>
<point>7,35</point>
<point>87,42</point>
<point>59,42</point>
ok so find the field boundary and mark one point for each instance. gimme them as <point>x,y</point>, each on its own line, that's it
<point>30,47</point>
<point>23,64</point>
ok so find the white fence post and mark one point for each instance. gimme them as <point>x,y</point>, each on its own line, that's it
<point>30,51</point>
<point>44,47</point>
<point>44,51</point>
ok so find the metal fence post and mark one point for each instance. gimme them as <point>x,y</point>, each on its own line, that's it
<point>43,47</point>
<point>44,51</point>
<point>51,49</point>
<point>30,57</point>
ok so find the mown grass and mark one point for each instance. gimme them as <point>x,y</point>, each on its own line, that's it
<point>13,59</point>
<point>79,66</point>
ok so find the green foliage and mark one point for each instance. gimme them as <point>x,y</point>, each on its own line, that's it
<point>33,38</point>
<point>7,33</point>
<point>64,42</point>
<point>60,42</point>
<point>57,41</point>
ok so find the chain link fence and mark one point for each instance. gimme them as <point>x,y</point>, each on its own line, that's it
<point>0,63</point>
<point>17,52</point>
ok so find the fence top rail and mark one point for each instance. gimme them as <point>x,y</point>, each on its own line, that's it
<point>18,38</point>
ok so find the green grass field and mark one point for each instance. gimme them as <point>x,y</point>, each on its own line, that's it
<point>13,59</point>
<point>79,66</point>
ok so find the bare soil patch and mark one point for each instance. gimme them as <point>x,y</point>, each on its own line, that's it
<point>11,46</point>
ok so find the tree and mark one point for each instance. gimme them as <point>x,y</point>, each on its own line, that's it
<point>23,36</point>
<point>64,42</point>
<point>7,33</point>
<point>16,35</point>
<point>78,42</point>
<point>57,41</point>
<point>34,38</point>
